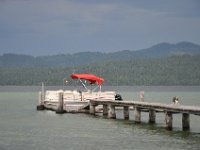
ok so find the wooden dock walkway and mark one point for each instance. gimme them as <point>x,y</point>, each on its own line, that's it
<point>109,107</point>
<point>168,109</point>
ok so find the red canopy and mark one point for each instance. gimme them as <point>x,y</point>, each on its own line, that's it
<point>90,77</point>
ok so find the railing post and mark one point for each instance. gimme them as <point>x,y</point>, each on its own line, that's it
<point>142,96</point>
<point>43,92</point>
<point>60,109</point>
<point>40,105</point>
<point>152,116</point>
<point>111,111</point>
<point>137,115</point>
<point>126,112</point>
<point>185,121</point>
<point>168,120</point>
<point>105,109</point>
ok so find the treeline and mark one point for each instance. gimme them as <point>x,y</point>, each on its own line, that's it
<point>174,70</point>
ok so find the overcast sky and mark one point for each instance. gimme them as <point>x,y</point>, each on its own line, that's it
<point>47,27</point>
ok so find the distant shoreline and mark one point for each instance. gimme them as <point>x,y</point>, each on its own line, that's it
<point>15,88</point>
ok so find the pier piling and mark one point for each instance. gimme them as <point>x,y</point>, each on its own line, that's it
<point>168,120</point>
<point>105,110</point>
<point>111,111</point>
<point>60,109</point>
<point>92,109</point>
<point>126,112</point>
<point>40,105</point>
<point>152,116</point>
<point>186,121</point>
<point>137,115</point>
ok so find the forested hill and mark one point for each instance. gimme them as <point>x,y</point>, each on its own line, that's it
<point>68,60</point>
<point>174,70</point>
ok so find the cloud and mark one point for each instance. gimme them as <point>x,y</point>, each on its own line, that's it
<point>95,25</point>
<point>50,14</point>
<point>46,16</point>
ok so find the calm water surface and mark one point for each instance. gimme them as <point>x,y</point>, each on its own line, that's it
<point>24,128</point>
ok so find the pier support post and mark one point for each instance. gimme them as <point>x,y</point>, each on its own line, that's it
<point>111,111</point>
<point>92,108</point>
<point>152,116</point>
<point>137,115</point>
<point>60,109</point>
<point>105,109</point>
<point>168,120</point>
<point>40,105</point>
<point>126,112</point>
<point>185,121</point>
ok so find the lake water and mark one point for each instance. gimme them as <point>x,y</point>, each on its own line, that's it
<point>22,127</point>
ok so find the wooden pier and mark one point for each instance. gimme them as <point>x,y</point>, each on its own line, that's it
<point>109,109</point>
<point>140,106</point>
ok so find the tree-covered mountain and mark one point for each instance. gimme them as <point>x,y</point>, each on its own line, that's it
<point>173,70</point>
<point>67,60</point>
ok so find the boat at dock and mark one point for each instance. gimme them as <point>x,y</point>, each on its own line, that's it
<point>78,100</point>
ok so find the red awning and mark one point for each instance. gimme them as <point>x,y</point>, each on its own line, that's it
<point>90,77</point>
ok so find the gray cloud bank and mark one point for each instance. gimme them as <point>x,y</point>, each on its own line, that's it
<point>45,27</point>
